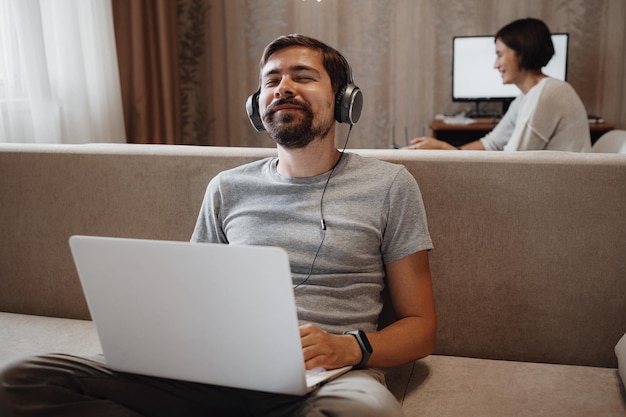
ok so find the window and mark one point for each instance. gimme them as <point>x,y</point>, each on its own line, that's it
<point>59,79</point>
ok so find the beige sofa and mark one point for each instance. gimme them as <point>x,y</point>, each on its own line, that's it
<point>529,264</point>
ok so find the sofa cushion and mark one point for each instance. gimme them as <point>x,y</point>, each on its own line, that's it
<point>25,335</point>
<point>456,386</point>
<point>513,278</point>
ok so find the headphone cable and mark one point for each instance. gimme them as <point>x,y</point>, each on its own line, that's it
<point>322,221</point>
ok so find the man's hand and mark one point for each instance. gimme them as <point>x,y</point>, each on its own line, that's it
<point>329,351</point>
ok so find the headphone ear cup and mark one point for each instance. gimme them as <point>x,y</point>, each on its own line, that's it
<point>339,113</point>
<point>348,104</point>
<point>252,108</point>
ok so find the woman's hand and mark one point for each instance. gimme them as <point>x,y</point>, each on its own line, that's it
<point>425,142</point>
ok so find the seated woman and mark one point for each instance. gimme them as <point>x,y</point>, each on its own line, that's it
<point>548,115</point>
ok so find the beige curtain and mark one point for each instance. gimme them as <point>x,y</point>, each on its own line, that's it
<point>147,47</point>
<point>400,52</point>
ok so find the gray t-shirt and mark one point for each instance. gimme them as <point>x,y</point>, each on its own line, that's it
<point>374,215</point>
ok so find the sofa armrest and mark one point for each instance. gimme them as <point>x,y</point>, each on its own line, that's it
<point>620,352</point>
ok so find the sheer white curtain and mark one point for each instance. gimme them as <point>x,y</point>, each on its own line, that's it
<point>59,79</point>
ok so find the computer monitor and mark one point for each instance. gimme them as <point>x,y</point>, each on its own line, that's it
<point>475,79</point>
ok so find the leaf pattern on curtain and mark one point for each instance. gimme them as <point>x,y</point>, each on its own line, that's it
<point>192,31</point>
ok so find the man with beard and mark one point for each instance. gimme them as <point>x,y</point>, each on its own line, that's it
<point>349,224</point>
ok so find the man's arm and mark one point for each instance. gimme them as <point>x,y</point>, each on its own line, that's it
<point>413,334</point>
<point>410,337</point>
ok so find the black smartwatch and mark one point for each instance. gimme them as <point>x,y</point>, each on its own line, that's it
<point>366,348</point>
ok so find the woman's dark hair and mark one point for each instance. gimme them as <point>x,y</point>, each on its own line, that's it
<point>532,41</point>
<point>334,63</point>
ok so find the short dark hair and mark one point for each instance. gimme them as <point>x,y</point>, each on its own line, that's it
<point>532,41</point>
<point>334,63</point>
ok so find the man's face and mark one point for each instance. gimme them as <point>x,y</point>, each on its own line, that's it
<point>296,101</point>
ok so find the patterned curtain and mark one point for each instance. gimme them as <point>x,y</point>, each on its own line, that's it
<point>193,29</point>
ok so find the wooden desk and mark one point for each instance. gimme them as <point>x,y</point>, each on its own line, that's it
<point>458,135</point>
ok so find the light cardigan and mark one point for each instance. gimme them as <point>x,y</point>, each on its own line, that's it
<point>549,117</point>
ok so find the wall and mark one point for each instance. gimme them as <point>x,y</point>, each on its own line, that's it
<point>400,52</point>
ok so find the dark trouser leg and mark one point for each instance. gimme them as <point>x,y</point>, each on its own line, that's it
<point>60,385</point>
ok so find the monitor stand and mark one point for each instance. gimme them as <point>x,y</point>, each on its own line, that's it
<point>477,114</point>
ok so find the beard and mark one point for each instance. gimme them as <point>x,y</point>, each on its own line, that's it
<point>289,132</point>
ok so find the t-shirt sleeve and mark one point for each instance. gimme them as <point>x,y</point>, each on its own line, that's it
<point>406,230</point>
<point>208,227</point>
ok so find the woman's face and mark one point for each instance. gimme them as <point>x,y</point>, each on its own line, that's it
<point>507,62</point>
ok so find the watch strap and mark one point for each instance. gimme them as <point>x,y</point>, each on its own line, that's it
<point>364,344</point>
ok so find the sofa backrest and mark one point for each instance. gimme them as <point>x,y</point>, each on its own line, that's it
<point>529,260</point>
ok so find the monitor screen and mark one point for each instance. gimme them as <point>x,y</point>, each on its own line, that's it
<point>475,79</point>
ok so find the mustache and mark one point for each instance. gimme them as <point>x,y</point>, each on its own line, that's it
<point>281,101</point>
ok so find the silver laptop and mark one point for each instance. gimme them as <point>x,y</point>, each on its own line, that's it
<point>209,313</point>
